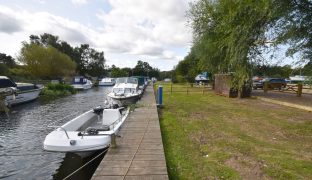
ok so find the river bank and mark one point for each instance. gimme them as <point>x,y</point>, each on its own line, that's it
<point>209,136</point>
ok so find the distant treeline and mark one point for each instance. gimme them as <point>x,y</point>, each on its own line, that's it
<point>48,57</point>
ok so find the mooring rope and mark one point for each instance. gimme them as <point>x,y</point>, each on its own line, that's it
<point>68,176</point>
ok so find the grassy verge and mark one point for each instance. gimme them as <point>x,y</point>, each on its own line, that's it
<point>208,136</point>
<point>53,91</point>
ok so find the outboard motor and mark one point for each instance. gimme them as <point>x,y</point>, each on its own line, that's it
<point>98,110</point>
<point>92,131</point>
<point>115,106</point>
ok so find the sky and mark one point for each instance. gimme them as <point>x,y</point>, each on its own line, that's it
<point>154,31</point>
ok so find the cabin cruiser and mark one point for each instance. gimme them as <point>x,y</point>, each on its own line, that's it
<point>126,91</point>
<point>90,131</point>
<point>81,83</point>
<point>141,82</point>
<point>23,92</point>
<point>107,82</point>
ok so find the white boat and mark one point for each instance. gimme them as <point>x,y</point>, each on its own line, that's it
<point>126,91</point>
<point>88,132</point>
<point>81,83</point>
<point>107,82</point>
<point>24,91</point>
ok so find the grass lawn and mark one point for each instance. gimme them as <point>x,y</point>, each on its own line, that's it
<point>209,136</point>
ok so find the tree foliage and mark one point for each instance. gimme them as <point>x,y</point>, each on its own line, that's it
<point>144,69</point>
<point>227,34</point>
<point>7,60</point>
<point>89,61</point>
<point>46,62</point>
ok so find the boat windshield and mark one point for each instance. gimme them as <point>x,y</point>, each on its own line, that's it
<point>79,80</point>
<point>121,80</point>
<point>118,90</point>
<point>5,83</point>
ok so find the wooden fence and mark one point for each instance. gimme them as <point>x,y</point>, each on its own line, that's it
<point>189,88</point>
<point>297,89</point>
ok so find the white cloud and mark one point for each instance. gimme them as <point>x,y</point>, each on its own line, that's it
<point>143,29</point>
<point>79,2</point>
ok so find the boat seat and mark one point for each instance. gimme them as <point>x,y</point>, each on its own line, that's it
<point>110,116</point>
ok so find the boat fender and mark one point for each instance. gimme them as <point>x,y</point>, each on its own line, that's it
<point>98,110</point>
<point>72,142</point>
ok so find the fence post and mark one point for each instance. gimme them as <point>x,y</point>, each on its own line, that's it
<point>160,95</point>
<point>170,88</point>
<point>299,92</point>
<point>203,90</point>
<point>187,90</point>
<point>265,87</point>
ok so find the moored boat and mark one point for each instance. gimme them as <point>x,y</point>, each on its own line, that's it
<point>107,82</point>
<point>90,131</point>
<point>81,83</point>
<point>25,92</point>
<point>126,91</point>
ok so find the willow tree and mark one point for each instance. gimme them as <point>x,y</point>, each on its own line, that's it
<point>46,62</point>
<point>229,33</point>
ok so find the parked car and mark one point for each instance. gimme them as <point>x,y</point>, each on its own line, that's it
<point>257,82</point>
<point>275,83</point>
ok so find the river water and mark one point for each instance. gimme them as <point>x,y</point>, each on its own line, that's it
<point>23,133</point>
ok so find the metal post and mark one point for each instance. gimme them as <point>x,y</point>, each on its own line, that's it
<point>113,141</point>
<point>160,95</point>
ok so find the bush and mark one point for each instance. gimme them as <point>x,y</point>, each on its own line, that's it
<point>53,91</point>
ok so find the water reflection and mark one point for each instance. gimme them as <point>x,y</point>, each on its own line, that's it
<point>22,134</point>
<point>73,161</point>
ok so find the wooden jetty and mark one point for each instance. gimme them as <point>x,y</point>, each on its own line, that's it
<point>139,153</point>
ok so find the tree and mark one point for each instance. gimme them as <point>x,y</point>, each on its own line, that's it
<point>46,62</point>
<point>7,60</point>
<point>227,35</point>
<point>294,27</point>
<point>144,69</point>
<point>117,72</point>
<point>88,60</point>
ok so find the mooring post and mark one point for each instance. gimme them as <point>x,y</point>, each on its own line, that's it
<point>113,141</point>
<point>265,87</point>
<point>299,92</point>
<point>160,95</point>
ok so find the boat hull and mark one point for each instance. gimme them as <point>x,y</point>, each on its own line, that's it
<point>57,141</point>
<point>106,83</point>
<point>72,136</point>
<point>23,96</point>
<point>82,86</point>
<point>124,101</point>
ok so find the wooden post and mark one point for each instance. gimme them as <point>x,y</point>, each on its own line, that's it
<point>203,90</point>
<point>187,90</point>
<point>171,88</point>
<point>299,92</point>
<point>113,141</point>
<point>265,87</point>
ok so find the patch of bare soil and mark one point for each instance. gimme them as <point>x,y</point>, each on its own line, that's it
<point>247,168</point>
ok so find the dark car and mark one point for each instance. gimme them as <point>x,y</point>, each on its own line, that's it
<point>275,83</point>
<point>257,84</point>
